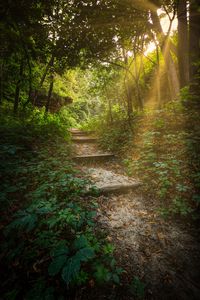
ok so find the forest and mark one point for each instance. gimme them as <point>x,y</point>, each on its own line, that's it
<point>100,149</point>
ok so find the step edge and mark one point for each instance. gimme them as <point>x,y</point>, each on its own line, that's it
<point>93,156</point>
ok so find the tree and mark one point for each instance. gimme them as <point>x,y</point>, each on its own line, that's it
<point>23,40</point>
<point>166,48</point>
<point>194,46</point>
<point>183,55</point>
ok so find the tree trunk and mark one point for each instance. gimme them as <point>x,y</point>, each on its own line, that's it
<point>17,88</point>
<point>183,61</point>
<point>50,63</point>
<point>29,69</point>
<point>110,111</point>
<point>127,88</point>
<point>165,48</point>
<point>130,105</point>
<point>172,74</point>
<point>1,82</point>
<point>49,93</point>
<point>136,79</point>
<point>158,76</point>
<point>194,47</point>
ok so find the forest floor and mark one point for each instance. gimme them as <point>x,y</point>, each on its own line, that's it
<point>163,253</point>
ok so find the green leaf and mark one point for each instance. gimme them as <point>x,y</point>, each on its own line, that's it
<point>80,242</point>
<point>27,222</point>
<point>137,288</point>
<point>56,265</point>
<point>102,274</point>
<point>116,278</point>
<point>108,249</point>
<point>196,198</point>
<point>60,249</point>
<point>46,238</point>
<point>85,254</point>
<point>82,277</point>
<point>71,270</point>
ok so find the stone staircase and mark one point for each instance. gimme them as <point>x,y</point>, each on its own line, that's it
<point>87,153</point>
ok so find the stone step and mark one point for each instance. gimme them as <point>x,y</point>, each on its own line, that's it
<point>94,157</point>
<point>74,129</point>
<point>76,132</point>
<point>84,139</point>
<point>115,189</point>
<point>81,133</point>
<point>118,188</point>
<point>109,182</point>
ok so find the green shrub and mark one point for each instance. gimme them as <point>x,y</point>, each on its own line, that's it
<point>51,244</point>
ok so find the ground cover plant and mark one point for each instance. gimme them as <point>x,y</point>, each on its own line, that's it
<point>50,244</point>
<point>161,148</point>
<point>127,74</point>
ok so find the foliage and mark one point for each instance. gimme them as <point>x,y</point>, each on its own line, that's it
<point>164,154</point>
<point>44,38</point>
<point>51,244</point>
<point>34,124</point>
<point>137,288</point>
<point>119,135</point>
<point>93,52</point>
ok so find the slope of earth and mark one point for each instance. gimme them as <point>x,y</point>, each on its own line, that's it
<point>163,254</point>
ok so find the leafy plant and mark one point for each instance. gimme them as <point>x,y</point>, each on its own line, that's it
<point>137,288</point>
<point>50,212</point>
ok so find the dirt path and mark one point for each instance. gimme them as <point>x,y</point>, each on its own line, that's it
<point>164,254</point>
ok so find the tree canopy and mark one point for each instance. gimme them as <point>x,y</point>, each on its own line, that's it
<point>99,97</point>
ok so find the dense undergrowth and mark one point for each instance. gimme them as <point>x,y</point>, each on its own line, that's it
<point>162,148</point>
<point>50,244</point>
